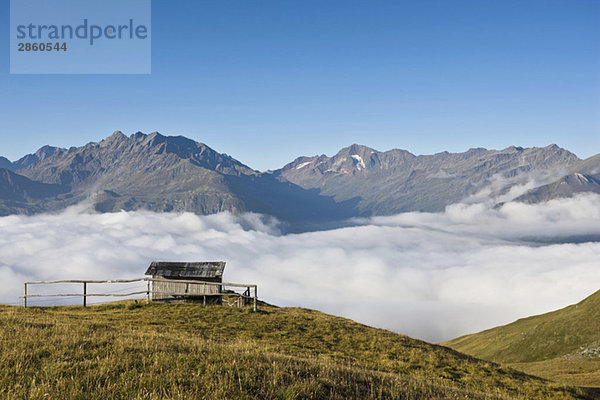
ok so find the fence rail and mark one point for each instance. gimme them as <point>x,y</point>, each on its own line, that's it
<point>149,292</point>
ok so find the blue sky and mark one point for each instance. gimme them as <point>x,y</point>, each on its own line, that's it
<point>266,81</point>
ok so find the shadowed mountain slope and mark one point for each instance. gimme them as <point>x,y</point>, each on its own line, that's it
<point>585,178</point>
<point>6,164</point>
<point>567,186</point>
<point>24,195</point>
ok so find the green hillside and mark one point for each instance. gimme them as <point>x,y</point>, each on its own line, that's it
<point>158,351</point>
<point>563,344</point>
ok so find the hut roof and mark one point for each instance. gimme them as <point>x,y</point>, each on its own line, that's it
<point>210,269</point>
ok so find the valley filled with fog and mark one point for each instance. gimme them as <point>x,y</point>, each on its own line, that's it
<point>432,276</point>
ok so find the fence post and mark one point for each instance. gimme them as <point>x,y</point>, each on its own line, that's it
<point>25,296</point>
<point>147,292</point>
<point>255,295</point>
<point>84,294</point>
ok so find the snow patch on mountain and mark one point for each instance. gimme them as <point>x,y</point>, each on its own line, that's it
<point>304,164</point>
<point>360,165</point>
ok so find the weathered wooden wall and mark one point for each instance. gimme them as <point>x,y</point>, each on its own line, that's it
<point>180,289</point>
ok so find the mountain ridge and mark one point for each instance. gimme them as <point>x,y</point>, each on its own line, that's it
<point>170,173</point>
<point>175,173</point>
<point>406,182</point>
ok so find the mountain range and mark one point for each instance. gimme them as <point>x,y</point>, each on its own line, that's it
<point>174,173</point>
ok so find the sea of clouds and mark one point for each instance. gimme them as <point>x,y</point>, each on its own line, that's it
<point>432,276</point>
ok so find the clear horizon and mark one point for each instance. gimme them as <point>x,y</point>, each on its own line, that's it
<point>267,83</point>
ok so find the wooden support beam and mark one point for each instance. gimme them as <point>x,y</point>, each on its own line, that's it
<point>147,292</point>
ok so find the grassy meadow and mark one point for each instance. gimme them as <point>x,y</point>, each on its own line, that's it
<point>562,345</point>
<point>189,351</point>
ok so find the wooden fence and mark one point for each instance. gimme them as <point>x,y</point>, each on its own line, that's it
<point>239,298</point>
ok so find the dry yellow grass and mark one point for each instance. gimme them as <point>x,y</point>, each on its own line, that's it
<point>562,345</point>
<point>578,372</point>
<point>187,351</point>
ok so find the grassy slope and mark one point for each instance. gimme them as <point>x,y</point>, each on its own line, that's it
<point>162,351</point>
<point>579,371</point>
<point>564,344</point>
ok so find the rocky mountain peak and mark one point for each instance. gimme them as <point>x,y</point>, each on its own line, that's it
<point>155,137</point>
<point>41,154</point>
<point>47,151</point>
<point>137,136</point>
<point>555,150</point>
<point>125,157</point>
<point>117,135</point>
<point>355,149</point>
<point>6,164</point>
<point>512,149</point>
<point>477,150</point>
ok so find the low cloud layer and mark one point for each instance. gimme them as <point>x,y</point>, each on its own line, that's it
<point>431,276</point>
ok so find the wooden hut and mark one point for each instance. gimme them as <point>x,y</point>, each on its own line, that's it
<point>170,275</point>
